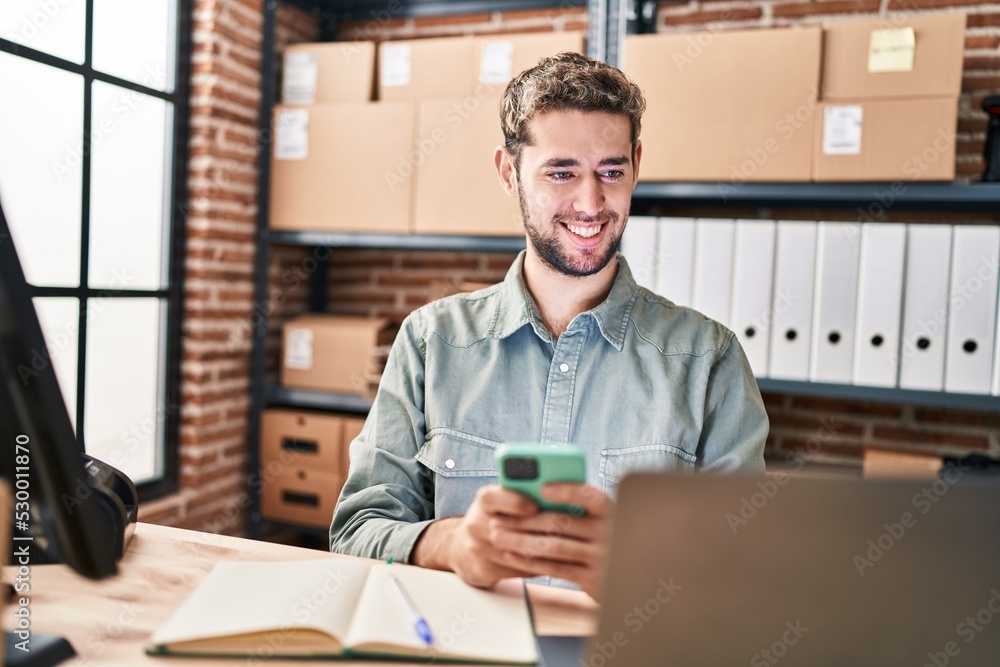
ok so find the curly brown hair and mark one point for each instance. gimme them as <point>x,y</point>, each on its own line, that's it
<point>567,81</point>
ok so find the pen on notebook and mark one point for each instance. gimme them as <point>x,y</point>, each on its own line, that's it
<point>419,623</point>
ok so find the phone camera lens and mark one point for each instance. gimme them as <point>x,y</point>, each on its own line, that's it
<point>521,468</point>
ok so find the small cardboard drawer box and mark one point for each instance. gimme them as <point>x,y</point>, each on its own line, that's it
<point>301,496</point>
<point>332,352</point>
<point>303,439</point>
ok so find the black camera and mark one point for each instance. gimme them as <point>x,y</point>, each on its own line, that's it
<point>520,468</point>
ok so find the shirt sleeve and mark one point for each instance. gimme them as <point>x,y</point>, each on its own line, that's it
<point>387,500</point>
<point>735,425</point>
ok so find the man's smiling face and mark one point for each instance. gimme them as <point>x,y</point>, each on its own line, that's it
<point>575,183</point>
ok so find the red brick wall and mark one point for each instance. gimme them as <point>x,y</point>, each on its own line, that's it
<point>221,243</point>
<point>384,27</point>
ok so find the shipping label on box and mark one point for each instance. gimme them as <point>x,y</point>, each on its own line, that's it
<point>496,62</point>
<point>298,348</point>
<point>291,134</point>
<point>298,82</point>
<point>842,130</point>
<point>396,65</point>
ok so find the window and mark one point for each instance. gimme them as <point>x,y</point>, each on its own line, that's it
<point>92,179</point>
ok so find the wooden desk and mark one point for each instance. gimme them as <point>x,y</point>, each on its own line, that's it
<point>110,621</point>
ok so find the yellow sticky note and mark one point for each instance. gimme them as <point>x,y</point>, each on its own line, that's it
<point>892,50</point>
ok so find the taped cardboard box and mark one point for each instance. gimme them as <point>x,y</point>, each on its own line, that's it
<point>304,439</point>
<point>332,352</point>
<point>457,188</point>
<point>332,167</point>
<point>499,58</point>
<point>727,106</point>
<point>328,72</point>
<point>894,57</point>
<point>420,69</point>
<point>886,140</point>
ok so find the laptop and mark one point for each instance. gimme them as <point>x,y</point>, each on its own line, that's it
<point>729,570</point>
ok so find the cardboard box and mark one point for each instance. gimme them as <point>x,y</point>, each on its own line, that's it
<point>331,352</point>
<point>328,72</point>
<point>727,106</point>
<point>907,56</point>
<point>425,68</point>
<point>303,439</point>
<point>301,496</point>
<point>335,167</point>
<point>499,58</point>
<point>352,429</point>
<point>457,187</point>
<point>888,140</point>
<point>884,463</point>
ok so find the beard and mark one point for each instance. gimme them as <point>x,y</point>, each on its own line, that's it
<point>547,244</point>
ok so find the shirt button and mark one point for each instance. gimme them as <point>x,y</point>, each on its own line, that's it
<point>564,367</point>
<point>449,464</point>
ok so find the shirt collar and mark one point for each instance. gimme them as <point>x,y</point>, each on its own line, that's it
<point>516,308</point>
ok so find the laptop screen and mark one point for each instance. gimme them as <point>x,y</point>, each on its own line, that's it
<point>780,570</point>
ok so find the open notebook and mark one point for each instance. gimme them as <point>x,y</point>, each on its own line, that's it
<point>342,607</point>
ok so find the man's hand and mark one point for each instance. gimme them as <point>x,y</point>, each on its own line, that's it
<point>555,543</point>
<point>462,543</point>
<point>504,535</point>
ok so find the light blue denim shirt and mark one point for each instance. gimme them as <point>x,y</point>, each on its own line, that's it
<point>638,382</point>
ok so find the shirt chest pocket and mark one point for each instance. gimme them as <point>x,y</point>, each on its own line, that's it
<point>461,463</point>
<point>617,463</point>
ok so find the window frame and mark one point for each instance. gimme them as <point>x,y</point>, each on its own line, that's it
<point>173,293</point>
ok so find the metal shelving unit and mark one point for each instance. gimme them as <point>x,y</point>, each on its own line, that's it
<point>398,241</point>
<point>608,21</point>
<point>898,195</point>
<point>321,400</point>
<point>881,394</point>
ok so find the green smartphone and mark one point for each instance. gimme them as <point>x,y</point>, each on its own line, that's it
<point>526,467</point>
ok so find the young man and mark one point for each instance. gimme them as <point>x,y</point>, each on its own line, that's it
<point>567,349</point>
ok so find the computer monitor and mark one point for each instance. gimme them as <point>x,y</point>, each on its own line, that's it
<point>57,514</point>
